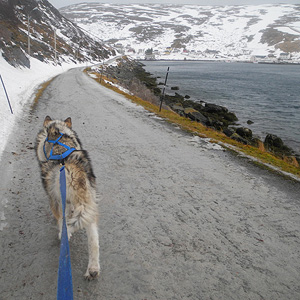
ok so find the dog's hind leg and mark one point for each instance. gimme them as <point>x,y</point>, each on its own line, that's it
<point>93,269</point>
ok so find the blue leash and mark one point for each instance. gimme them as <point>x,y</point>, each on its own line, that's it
<point>64,281</point>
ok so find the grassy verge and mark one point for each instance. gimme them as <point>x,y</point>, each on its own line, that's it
<point>40,91</point>
<point>196,128</point>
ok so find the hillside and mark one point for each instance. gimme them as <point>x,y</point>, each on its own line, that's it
<point>191,31</point>
<point>72,43</point>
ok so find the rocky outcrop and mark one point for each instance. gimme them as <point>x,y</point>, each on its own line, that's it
<point>178,109</point>
<point>195,115</point>
<point>16,57</point>
<point>229,131</point>
<point>219,118</point>
<point>242,135</point>
<point>244,132</point>
<point>274,144</point>
<point>240,139</point>
<point>214,108</point>
<point>209,114</point>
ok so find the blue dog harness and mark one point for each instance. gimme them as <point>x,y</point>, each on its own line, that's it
<point>58,156</point>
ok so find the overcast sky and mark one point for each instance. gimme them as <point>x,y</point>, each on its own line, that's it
<point>61,3</point>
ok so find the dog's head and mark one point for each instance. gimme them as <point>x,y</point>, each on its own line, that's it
<point>55,127</point>
<point>56,130</point>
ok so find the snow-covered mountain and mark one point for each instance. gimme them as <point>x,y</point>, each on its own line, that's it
<point>191,31</point>
<point>48,30</point>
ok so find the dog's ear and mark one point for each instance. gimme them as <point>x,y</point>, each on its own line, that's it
<point>68,122</point>
<point>46,121</point>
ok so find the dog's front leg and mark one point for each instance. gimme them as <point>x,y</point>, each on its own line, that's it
<point>93,269</point>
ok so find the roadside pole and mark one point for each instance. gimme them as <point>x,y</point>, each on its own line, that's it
<point>162,97</point>
<point>6,94</point>
<point>102,67</point>
<point>55,53</point>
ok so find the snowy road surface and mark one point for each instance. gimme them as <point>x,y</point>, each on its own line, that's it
<point>178,220</point>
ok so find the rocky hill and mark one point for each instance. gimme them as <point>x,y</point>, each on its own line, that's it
<point>48,30</point>
<point>191,31</point>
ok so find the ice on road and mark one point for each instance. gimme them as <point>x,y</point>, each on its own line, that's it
<point>179,217</point>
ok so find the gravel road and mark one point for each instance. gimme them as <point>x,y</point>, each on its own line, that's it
<point>179,218</point>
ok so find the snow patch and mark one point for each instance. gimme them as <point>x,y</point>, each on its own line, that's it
<point>21,84</point>
<point>205,143</point>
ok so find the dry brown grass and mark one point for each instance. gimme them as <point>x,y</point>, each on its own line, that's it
<point>40,91</point>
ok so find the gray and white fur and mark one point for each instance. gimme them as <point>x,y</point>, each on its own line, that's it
<point>81,207</point>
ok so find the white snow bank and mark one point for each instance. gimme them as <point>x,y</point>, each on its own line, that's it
<point>21,84</point>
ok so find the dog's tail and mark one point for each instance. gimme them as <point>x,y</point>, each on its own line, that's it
<point>83,215</point>
<point>81,197</point>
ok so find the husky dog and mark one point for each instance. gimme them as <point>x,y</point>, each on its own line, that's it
<point>81,209</point>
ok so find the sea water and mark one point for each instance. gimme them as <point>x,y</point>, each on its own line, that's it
<point>266,94</point>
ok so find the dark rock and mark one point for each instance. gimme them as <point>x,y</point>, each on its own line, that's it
<point>197,116</point>
<point>213,108</point>
<point>189,110</point>
<point>179,96</point>
<point>174,88</point>
<point>187,97</point>
<point>219,115</point>
<point>273,141</point>
<point>274,144</point>
<point>249,122</point>
<point>195,105</point>
<point>209,122</point>
<point>16,57</point>
<point>238,138</point>
<point>230,116</point>
<point>244,132</point>
<point>229,131</point>
<point>178,108</point>
<point>172,105</point>
<point>218,125</point>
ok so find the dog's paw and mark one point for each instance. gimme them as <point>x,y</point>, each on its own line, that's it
<point>92,273</point>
